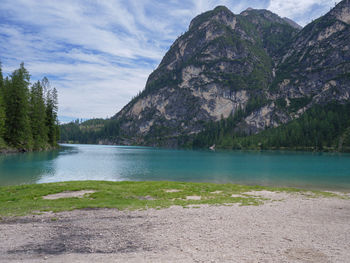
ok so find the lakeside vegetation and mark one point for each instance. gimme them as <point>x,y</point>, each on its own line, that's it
<point>89,132</point>
<point>321,128</point>
<point>28,199</point>
<point>28,113</point>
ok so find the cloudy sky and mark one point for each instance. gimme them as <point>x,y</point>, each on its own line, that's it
<point>98,54</point>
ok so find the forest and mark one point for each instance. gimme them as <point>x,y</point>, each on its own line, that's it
<point>321,128</point>
<point>28,113</point>
<point>89,132</point>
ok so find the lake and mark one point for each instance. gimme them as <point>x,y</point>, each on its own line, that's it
<point>326,171</point>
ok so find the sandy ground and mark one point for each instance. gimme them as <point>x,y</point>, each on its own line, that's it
<point>294,229</point>
<point>68,194</point>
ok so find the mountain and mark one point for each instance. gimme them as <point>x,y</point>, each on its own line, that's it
<point>235,75</point>
<point>222,63</point>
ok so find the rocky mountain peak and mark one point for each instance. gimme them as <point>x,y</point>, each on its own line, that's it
<point>261,16</point>
<point>220,14</point>
<point>273,30</point>
<point>342,11</point>
<point>222,8</point>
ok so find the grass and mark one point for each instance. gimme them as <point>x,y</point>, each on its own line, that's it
<point>28,199</point>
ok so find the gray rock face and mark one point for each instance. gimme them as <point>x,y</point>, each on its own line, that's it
<point>317,63</point>
<point>255,60</point>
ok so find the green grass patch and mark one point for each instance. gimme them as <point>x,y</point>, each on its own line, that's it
<point>28,199</point>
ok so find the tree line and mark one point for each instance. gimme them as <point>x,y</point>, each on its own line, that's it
<point>28,112</point>
<point>323,127</point>
<point>90,132</point>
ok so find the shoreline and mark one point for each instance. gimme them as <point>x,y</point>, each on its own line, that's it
<point>130,195</point>
<point>7,151</point>
<point>286,227</point>
<point>282,149</point>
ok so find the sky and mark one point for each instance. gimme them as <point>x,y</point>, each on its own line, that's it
<point>99,54</point>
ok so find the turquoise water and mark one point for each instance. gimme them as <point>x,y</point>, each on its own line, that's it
<point>116,163</point>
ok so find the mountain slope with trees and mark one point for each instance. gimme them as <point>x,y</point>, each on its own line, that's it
<point>321,128</point>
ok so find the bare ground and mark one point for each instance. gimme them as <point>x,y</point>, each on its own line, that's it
<point>295,228</point>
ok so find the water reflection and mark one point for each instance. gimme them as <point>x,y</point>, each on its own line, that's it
<point>115,163</point>
<point>25,168</point>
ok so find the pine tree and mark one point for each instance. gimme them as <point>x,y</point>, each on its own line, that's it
<point>2,108</point>
<point>18,130</point>
<point>51,113</point>
<point>38,117</point>
<point>1,80</point>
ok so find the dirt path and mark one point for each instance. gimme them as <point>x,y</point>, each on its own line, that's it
<point>297,229</point>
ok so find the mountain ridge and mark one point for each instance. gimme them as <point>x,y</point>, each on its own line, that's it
<point>220,53</point>
<point>255,65</point>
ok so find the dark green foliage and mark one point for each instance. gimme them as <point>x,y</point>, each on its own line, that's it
<point>298,103</point>
<point>254,103</point>
<point>51,114</point>
<point>71,132</point>
<point>1,79</point>
<point>275,32</point>
<point>2,107</point>
<point>320,128</point>
<point>91,131</point>
<point>164,80</point>
<point>30,119</point>
<point>345,140</point>
<point>223,131</point>
<point>18,131</point>
<point>281,103</point>
<point>157,134</point>
<point>37,115</point>
<point>273,42</point>
<point>218,132</point>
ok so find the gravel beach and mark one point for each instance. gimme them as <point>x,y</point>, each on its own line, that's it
<point>287,228</point>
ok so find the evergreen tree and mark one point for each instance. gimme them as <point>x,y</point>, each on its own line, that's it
<point>38,116</point>
<point>55,115</point>
<point>51,113</point>
<point>28,118</point>
<point>2,107</point>
<point>1,80</point>
<point>18,130</point>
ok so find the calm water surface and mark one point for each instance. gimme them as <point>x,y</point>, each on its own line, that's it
<point>116,163</point>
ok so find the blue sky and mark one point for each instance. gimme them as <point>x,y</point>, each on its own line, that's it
<point>98,54</point>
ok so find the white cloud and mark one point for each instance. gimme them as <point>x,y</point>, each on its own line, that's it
<point>301,11</point>
<point>95,54</point>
